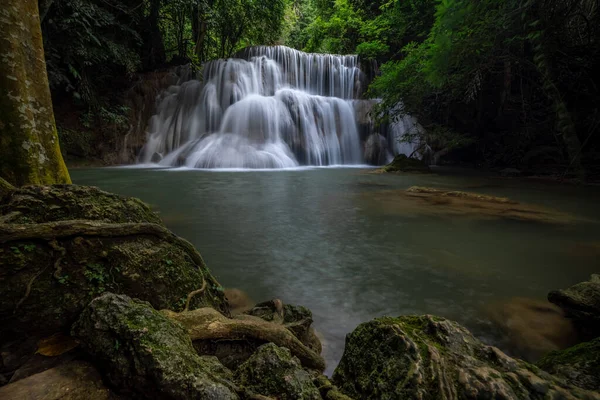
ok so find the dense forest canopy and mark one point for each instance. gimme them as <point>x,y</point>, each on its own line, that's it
<point>497,83</point>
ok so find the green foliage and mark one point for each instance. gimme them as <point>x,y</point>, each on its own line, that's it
<point>85,41</point>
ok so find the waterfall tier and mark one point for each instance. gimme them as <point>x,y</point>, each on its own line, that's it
<point>271,107</point>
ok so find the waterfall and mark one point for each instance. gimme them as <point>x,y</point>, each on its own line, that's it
<point>269,107</point>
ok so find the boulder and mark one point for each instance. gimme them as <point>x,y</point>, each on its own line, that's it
<point>39,204</point>
<point>579,365</point>
<point>426,357</point>
<point>75,380</point>
<point>272,371</point>
<point>65,245</point>
<point>146,355</point>
<point>402,163</point>
<point>581,303</point>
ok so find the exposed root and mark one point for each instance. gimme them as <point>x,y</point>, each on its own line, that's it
<point>194,293</point>
<point>5,219</point>
<point>61,229</point>
<point>28,289</point>
<point>209,324</point>
<point>62,251</point>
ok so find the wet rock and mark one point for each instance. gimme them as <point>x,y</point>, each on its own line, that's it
<point>144,354</point>
<point>579,365</point>
<point>425,357</point>
<point>76,380</point>
<point>533,327</point>
<point>38,204</point>
<point>376,150</point>
<point>581,302</point>
<point>51,267</point>
<point>272,371</point>
<point>403,163</point>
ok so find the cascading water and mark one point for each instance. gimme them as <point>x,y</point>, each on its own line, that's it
<point>271,107</point>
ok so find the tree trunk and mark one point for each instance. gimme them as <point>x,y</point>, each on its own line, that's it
<point>29,148</point>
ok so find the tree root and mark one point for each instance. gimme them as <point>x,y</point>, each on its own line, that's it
<point>194,293</point>
<point>28,288</point>
<point>209,324</point>
<point>63,229</point>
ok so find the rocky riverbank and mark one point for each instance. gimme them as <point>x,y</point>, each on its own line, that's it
<point>99,300</point>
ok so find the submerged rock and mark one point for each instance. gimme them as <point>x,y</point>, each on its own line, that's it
<point>146,355</point>
<point>447,203</point>
<point>66,245</point>
<point>238,300</point>
<point>272,371</point>
<point>403,163</point>
<point>425,357</point>
<point>533,327</point>
<point>581,303</point>
<point>579,365</point>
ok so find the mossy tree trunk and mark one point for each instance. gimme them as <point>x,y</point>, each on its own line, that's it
<point>29,147</point>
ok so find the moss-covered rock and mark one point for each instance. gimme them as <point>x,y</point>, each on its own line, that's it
<point>402,163</point>
<point>146,355</point>
<point>579,365</point>
<point>38,204</point>
<point>425,357</point>
<point>581,302</point>
<point>272,371</point>
<point>51,268</point>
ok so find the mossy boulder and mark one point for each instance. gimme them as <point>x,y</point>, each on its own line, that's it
<point>579,365</point>
<point>272,371</point>
<point>402,163</point>
<point>581,303</point>
<point>144,354</point>
<point>425,357</point>
<point>52,267</point>
<point>39,204</point>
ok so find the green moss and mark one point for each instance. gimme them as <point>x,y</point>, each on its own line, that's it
<point>272,371</point>
<point>402,163</point>
<point>145,353</point>
<point>38,204</point>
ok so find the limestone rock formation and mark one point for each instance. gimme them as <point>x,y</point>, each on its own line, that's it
<point>147,355</point>
<point>425,357</point>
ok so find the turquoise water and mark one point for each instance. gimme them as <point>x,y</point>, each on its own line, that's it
<point>319,238</point>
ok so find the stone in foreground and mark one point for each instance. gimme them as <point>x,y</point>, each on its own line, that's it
<point>144,354</point>
<point>579,365</point>
<point>272,371</point>
<point>76,380</point>
<point>425,357</point>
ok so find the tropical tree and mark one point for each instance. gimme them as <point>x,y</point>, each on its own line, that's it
<point>29,146</point>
